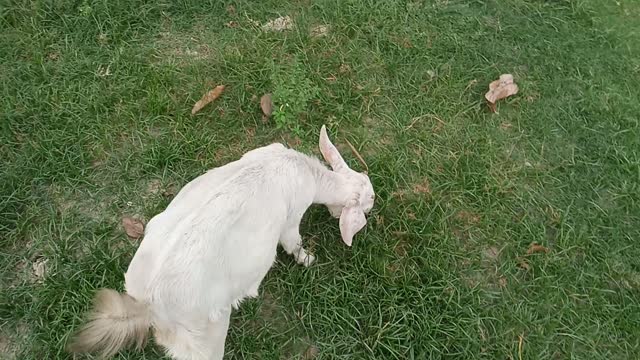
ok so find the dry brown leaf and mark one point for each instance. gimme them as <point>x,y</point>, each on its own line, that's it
<point>133,227</point>
<point>207,98</point>
<point>500,89</point>
<point>536,248</point>
<point>266,104</point>
<point>524,264</point>
<point>280,24</point>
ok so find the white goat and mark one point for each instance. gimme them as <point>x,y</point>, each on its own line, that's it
<point>214,244</point>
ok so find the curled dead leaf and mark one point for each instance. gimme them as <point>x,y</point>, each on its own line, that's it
<point>133,227</point>
<point>500,89</point>
<point>207,98</point>
<point>266,104</point>
<point>537,248</point>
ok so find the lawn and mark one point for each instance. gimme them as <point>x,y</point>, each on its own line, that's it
<point>96,124</point>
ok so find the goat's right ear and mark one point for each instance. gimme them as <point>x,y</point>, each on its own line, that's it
<point>330,153</point>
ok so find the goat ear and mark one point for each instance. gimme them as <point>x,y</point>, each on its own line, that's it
<point>329,152</point>
<point>352,220</point>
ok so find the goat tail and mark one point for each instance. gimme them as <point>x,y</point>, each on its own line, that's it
<point>116,321</point>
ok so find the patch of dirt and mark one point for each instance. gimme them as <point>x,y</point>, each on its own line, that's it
<point>84,204</point>
<point>311,353</point>
<point>7,347</point>
<point>9,344</point>
<point>422,187</point>
<point>251,133</point>
<point>400,249</point>
<point>380,137</point>
<point>419,188</point>
<point>468,217</point>
<point>280,24</point>
<point>294,142</point>
<point>39,267</point>
<point>269,308</point>
<point>483,272</point>
<point>182,48</point>
<point>491,253</point>
<point>154,187</point>
<point>319,31</point>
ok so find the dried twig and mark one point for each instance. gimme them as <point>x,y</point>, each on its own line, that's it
<point>358,156</point>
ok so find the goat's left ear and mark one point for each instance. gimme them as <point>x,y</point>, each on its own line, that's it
<point>330,152</point>
<point>352,220</point>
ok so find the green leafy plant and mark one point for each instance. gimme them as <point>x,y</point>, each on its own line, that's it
<point>292,92</point>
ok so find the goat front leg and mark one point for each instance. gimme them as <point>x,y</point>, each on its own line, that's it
<point>291,242</point>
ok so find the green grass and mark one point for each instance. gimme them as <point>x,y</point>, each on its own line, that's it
<point>462,193</point>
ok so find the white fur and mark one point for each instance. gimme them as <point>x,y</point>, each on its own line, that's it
<point>217,239</point>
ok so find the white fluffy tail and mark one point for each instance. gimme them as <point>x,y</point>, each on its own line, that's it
<point>115,322</point>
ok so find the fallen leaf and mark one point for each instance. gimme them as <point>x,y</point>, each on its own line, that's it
<point>40,268</point>
<point>133,227</point>
<point>500,89</point>
<point>536,248</point>
<point>310,353</point>
<point>524,264</point>
<point>280,24</point>
<point>266,104</point>
<point>207,98</point>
